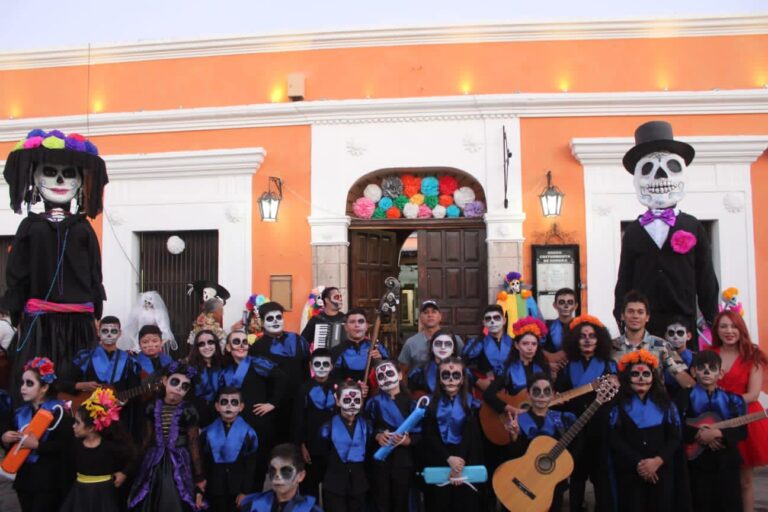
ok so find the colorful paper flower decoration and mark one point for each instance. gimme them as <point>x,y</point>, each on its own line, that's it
<point>417,199</point>
<point>392,186</point>
<point>410,211</point>
<point>379,213</point>
<point>425,212</point>
<point>363,208</point>
<point>448,185</point>
<point>438,212</point>
<point>386,203</point>
<point>44,368</point>
<point>103,408</point>
<point>531,325</point>
<point>411,184</point>
<point>401,201</point>
<point>430,201</point>
<point>641,356</point>
<point>463,196</point>
<point>474,209</point>
<point>445,199</point>
<point>452,211</point>
<point>429,186</point>
<point>372,192</point>
<point>393,213</point>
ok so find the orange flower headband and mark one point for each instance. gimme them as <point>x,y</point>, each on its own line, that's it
<point>641,356</point>
<point>531,325</point>
<point>585,318</point>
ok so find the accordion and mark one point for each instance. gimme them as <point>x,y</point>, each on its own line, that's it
<point>327,335</point>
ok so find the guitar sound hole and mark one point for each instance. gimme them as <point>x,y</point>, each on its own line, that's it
<point>544,464</point>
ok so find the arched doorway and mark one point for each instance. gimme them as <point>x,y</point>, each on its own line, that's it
<point>448,254</point>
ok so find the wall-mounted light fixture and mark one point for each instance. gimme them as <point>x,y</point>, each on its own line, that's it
<point>269,202</point>
<point>551,198</point>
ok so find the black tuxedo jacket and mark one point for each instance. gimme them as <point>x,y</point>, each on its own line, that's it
<point>674,283</point>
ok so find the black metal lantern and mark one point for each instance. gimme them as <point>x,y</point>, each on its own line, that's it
<point>269,202</point>
<point>551,198</point>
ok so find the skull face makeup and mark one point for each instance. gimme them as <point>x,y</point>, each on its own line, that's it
<point>283,475</point>
<point>208,293</point>
<point>494,322</point>
<point>514,285</point>
<point>451,378</point>
<point>273,323</point>
<point>641,378</point>
<point>707,374</point>
<point>387,376</point>
<point>350,401</point>
<point>58,184</point>
<point>442,347</point>
<point>659,179</point>
<point>322,366</point>
<point>677,335</point>
<point>109,333</point>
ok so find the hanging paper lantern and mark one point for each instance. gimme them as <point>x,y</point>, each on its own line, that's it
<point>372,192</point>
<point>463,196</point>
<point>386,203</point>
<point>417,199</point>
<point>410,211</point>
<point>175,245</point>
<point>401,201</point>
<point>474,209</point>
<point>363,207</point>
<point>438,212</point>
<point>452,211</point>
<point>379,213</point>
<point>425,212</point>
<point>393,213</point>
<point>392,186</point>
<point>411,184</point>
<point>429,186</point>
<point>446,200</point>
<point>448,185</point>
<point>430,201</point>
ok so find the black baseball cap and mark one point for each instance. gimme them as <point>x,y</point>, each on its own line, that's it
<point>431,303</point>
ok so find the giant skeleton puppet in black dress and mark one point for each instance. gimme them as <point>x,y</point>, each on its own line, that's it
<point>665,253</point>
<point>54,267</point>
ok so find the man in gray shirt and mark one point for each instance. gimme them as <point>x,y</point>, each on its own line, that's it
<point>415,351</point>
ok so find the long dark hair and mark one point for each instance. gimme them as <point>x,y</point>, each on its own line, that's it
<point>463,392</point>
<point>538,357</point>
<point>196,359</point>
<point>115,432</point>
<point>602,350</point>
<point>444,332</point>
<point>227,359</point>
<point>657,392</point>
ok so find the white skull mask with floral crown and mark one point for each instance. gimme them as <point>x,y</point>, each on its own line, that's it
<point>57,183</point>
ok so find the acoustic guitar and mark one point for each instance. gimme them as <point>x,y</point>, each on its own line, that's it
<point>527,484</point>
<point>77,399</point>
<point>713,420</point>
<point>493,422</point>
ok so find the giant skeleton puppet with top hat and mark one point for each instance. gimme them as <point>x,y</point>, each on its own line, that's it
<point>54,280</point>
<point>665,253</point>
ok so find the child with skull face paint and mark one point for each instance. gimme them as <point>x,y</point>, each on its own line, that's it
<point>171,477</point>
<point>715,479</point>
<point>678,334</point>
<point>314,405</point>
<point>346,438</point>
<point>423,380</point>
<point>229,452</point>
<point>537,421</point>
<point>291,353</point>
<point>587,346</point>
<point>451,437</point>
<point>644,436</point>
<point>387,410</point>
<point>488,355</point>
<point>286,473</point>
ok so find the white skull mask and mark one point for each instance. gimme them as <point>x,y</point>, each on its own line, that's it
<point>148,302</point>
<point>108,333</point>
<point>351,401</point>
<point>387,376</point>
<point>321,366</point>
<point>515,286</point>
<point>208,294</point>
<point>442,347</point>
<point>494,322</point>
<point>659,179</point>
<point>273,322</point>
<point>58,184</point>
<point>676,335</point>
<point>282,474</point>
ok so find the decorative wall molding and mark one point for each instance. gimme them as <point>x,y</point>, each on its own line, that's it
<point>402,110</point>
<point>374,37</point>
<point>181,164</point>
<point>736,149</point>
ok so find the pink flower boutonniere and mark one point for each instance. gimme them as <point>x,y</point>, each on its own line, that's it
<point>683,241</point>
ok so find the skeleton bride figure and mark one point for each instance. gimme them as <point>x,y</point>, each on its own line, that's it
<point>150,309</point>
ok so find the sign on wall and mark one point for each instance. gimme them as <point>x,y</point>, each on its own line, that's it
<point>554,267</point>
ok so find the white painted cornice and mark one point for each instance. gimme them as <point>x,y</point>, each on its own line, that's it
<point>179,164</point>
<point>397,110</point>
<point>743,149</point>
<point>401,36</point>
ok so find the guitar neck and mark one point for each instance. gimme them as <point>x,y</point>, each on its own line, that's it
<point>128,394</point>
<point>741,420</point>
<point>572,432</point>
<point>566,396</point>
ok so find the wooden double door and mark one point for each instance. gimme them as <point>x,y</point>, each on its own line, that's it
<point>452,270</point>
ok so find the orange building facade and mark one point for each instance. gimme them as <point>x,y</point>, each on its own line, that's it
<point>192,131</point>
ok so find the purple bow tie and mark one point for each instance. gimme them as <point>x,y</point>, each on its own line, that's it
<point>667,215</point>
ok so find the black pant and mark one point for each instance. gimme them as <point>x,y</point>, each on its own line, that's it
<point>333,502</point>
<point>39,501</point>
<point>452,498</point>
<point>310,486</point>
<point>590,465</point>
<point>391,487</point>
<point>637,495</point>
<point>715,489</point>
<point>222,503</point>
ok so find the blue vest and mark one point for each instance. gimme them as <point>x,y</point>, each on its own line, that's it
<point>556,331</point>
<point>321,399</point>
<point>146,363</point>
<point>555,424</point>
<point>349,448</point>
<point>595,368</point>
<point>451,416</point>
<point>263,501</point>
<point>382,407</point>
<point>353,359</point>
<point>235,375</point>
<point>226,446</point>
<point>288,345</point>
<point>208,383</point>
<point>726,405</point>
<point>495,353</point>
<point>24,415</point>
<point>107,371</point>
<point>646,414</point>
<point>516,380</point>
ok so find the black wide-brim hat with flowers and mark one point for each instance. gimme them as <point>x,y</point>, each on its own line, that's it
<point>40,147</point>
<point>656,136</point>
<point>201,284</point>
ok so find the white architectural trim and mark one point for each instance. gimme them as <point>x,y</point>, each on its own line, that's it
<point>373,37</point>
<point>329,230</point>
<point>718,188</point>
<point>398,110</point>
<point>179,191</point>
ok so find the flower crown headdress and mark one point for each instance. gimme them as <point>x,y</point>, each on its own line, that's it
<point>531,325</point>
<point>103,408</point>
<point>176,367</point>
<point>585,318</point>
<point>44,367</point>
<point>641,356</point>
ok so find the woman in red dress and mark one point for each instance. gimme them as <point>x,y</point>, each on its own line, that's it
<point>743,366</point>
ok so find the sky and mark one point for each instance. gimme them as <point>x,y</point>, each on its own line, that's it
<point>80,22</point>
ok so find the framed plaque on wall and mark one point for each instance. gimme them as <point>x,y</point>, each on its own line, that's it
<point>554,267</point>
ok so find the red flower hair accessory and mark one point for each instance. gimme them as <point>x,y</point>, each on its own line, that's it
<point>103,408</point>
<point>641,356</point>
<point>531,325</point>
<point>585,318</point>
<point>44,368</point>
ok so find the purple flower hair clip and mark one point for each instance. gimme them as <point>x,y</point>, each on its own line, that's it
<point>182,369</point>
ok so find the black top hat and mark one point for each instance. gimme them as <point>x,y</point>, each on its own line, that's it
<point>200,285</point>
<point>656,136</point>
